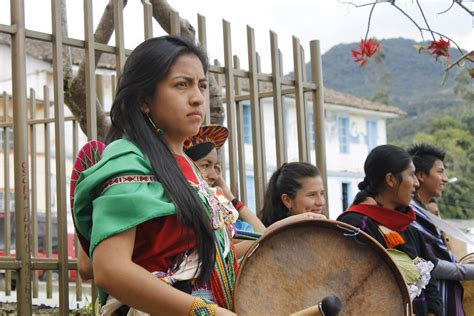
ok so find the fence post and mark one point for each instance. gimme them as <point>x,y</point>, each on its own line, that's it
<point>20,140</point>
<point>60,156</point>
<point>318,110</point>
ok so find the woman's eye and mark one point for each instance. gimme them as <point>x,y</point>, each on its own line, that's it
<point>181,84</point>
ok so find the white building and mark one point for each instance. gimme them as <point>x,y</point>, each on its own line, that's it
<point>353,126</point>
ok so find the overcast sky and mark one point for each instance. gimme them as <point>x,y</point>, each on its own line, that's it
<point>329,21</point>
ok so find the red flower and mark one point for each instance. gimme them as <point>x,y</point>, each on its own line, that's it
<point>367,49</point>
<point>439,48</point>
<point>471,73</point>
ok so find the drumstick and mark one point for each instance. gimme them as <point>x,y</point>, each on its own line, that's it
<point>330,306</point>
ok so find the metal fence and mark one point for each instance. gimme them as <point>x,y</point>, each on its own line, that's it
<point>39,140</point>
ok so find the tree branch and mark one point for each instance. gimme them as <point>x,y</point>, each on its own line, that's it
<point>410,18</point>
<point>424,18</point>
<point>370,18</point>
<point>75,98</point>
<point>442,12</point>
<point>357,5</point>
<point>161,12</point>
<point>459,3</point>
<point>457,61</point>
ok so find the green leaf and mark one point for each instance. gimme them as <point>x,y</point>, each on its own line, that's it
<point>405,265</point>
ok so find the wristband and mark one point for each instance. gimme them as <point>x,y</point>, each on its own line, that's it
<point>201,308</point>
<point>237,204</point>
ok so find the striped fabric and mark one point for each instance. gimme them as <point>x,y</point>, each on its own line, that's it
<point>451,292</point>
<point>215,134</point>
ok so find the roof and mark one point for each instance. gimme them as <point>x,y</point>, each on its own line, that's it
<point>44,51</point>
<point>339,98</point>
<point>345,99</point>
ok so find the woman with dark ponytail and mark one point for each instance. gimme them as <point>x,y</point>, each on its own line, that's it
<point>158,241</point>
<point>382,210</point>
<point>294,188</point>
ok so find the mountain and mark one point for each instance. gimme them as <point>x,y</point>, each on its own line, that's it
<point>409,80</point>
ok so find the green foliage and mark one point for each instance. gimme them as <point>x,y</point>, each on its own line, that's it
<point>441,114</point>
<point>458,141</point>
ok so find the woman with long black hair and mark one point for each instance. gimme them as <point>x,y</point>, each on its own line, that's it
<point>159,243</point>
<point>390,181</point>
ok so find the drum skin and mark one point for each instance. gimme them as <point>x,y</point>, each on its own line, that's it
<point>297,265</point>
<point>468,299</point>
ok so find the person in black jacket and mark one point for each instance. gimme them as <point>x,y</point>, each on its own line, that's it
<point>390,181</point>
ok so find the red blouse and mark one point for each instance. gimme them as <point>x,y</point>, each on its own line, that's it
<point>160,240</point>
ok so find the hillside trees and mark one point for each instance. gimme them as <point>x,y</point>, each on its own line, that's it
<point>456,136</point>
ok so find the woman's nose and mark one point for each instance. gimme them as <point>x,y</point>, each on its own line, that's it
<point>197,97</point>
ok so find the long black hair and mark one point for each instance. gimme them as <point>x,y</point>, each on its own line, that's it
<point>286,179</point>
<point>146,66</point>
<point>380,161</point>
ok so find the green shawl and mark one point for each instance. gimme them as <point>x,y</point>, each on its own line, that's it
<point>122,206</point>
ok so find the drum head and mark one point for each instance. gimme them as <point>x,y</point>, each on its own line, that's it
<point>297,265</point>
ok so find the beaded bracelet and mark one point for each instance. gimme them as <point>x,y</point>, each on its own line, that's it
<point>202,308</point>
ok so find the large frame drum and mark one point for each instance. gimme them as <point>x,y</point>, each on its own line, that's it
<point>296,265</point>
<point>468,299</point>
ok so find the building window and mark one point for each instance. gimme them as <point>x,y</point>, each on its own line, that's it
<point>371,134</point>
<point>343,126</point>
<point>2,138</point>
<point>311,130</point>
<point>247,124</point>
<point>345,195</point>
<point>250,192</point>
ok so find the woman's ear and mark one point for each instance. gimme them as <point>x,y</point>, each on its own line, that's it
<point>286,200</point>
<point>391,180</point>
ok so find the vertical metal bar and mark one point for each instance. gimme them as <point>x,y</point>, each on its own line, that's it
<point>47,178</point>
<point>256,120</point>
<point>277,101</point>
<point>75,148</point>
<point>147,19</point>
<point>305,107</point>
<point>119,38</point>
<point>230,103</point>
<point>90,71</point>
<point>300,113</point>
<point>318,108</point>
<point>262,128</point>
<point>6,190</point>
<point>113,85</point>
<point>34,188</point>
<point>240,138</point>
<point>174,23</point>
<point>60,157</point>
<point>99,89</point>
<point>20,137</point>
<point>203,41</point>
